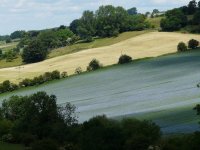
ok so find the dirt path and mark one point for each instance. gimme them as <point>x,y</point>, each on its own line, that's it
<point>147,45</point>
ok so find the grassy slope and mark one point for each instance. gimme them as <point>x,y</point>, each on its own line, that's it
<point>155,21</point>
<point>71,49</point>
<point>95,44</point>
<point>162,89</point>
<point>4,146</point>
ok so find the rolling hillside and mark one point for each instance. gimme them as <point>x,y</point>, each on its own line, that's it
<point>162,89</point>
<point>146,45</point>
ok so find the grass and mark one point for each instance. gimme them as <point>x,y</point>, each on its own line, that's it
<point>8,46</point>
<point>155,21</point>
<point>162,89</point>
<point>5,146</point>
<point>13,63</point>
<point>101,42</point>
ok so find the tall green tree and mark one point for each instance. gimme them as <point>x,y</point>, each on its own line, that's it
<point>87,27</point>
<point>132,11</point>
<point>175,20</point>
<point>34,52</point>
<point>192,6</point>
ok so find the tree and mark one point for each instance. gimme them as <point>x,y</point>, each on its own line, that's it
<point>74,26</point>
<point>49,39</point>
<point>196,18</point>
<point>8,40</point>
<point>175,20</point>
<point>199,5</point>
<point>1,53</point>
<point>17,34</point>
<point>132,11</point>
<point>87,27</point>
<point>38,115</point>
<point>192,7</point>
<point>181,47</point>
<point>193,44</point>
<point>34,52</point>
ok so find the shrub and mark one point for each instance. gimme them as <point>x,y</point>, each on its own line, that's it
<point>181,47</point>
<point>193,44</point>
<point>78,70</point>
<point>94,65</point>
<point>46,144</point>
<point>55,75</point>
<point>124,59</point>
<point>64,74</point>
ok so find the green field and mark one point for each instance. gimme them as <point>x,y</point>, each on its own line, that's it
<point>155,22</point>
<point>4,146</point>
<point>162,89</point>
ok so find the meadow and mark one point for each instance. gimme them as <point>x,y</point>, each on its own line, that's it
<point>162,89</point>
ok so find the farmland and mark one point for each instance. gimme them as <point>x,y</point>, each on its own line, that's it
<point>162,89</point>
<point>153,44</point>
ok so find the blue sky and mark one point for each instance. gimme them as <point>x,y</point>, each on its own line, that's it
<point>41,14</point>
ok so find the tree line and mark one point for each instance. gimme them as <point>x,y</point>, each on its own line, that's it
<point>179,18</point>
<point>37,122</point>
<point>108,21</point>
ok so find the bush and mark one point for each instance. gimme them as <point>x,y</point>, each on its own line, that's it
<point>193,44</point>
<point>124,59</point>
<point>64,74</point>
<point>94,65</point>
<point>78,70</point>
<point>55,75</point>
<point>181,47</point>
<point>46,144</point>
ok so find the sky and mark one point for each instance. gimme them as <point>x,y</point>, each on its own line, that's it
<point>42,14</point>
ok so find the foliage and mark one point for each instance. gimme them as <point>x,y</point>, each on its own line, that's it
<point>8,40</point>
<point>192,7</point>
<point>7,86</point>
<point>175,20</point>
<point>34,52</point>
<point>37,115</point>
<point>103,133</point>
<point>78,70</point>
<point>132,11</point>
<point>17,34</point>
<point>196,17</point>
<point>107,21</point>
<point>124,59</point>
<point>87,26</point>
<point>193,44</point>
<point>94,65</point>
<point>182,47</point>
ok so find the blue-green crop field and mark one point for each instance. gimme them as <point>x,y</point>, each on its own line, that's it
<point>163,89</point>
